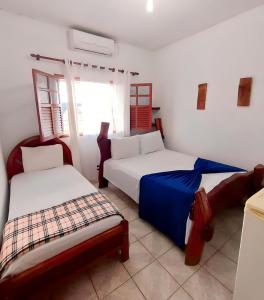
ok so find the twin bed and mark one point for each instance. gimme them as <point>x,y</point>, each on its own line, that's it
<point>40,190</point>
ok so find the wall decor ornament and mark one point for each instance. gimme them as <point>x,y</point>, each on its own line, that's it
<point>244,91</point>
<point>201,100</point>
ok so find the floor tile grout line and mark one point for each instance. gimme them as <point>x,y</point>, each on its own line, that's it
<point>139,288</point>
<point>202,267</point>
<point>191,276</point>
<point>217,278</point>
<point>231,238</point>
<point>93,285</point>
<point>173,245</point>
<point>187,292</point>
<point>116,288</point>
<point>231,291</point>
<point>219,250</point>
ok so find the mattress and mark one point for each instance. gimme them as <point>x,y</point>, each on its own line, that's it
<point>126,173</point>
<point>42,189</point>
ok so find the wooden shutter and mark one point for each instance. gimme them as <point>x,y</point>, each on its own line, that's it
<point>46,87</point>
<point>141,107</point>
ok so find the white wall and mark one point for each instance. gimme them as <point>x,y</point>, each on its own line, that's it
<point>21,36</point>
<point>220,56</point>
<point>3,193</point>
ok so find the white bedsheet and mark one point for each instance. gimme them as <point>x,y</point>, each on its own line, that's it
<point>126,173</point>
<point>42,189</point>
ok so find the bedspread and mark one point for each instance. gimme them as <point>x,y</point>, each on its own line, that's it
<point>166,198</point>
<point>30,231</point>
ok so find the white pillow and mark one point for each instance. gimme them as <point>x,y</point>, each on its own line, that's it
<point>151,142</point>
<point>42,157</point>
<point>125,147</point>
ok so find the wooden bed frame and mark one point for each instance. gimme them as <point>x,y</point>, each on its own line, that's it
<point>67,263</point>
<point>228,193</point>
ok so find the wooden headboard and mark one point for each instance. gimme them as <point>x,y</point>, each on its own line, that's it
<point>14,162</point>
<point>104,144</point>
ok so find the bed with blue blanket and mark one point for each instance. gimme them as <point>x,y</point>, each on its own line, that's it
<point>164,183</point>
<point>179,194</point>
<point>166,198</point>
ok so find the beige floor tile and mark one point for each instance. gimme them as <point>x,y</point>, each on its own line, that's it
<point>107,191</point>
<point>80,288</point>
<point>140,228</point>
<point>231,249</point>
<point>203,286</point>
<point>223,269</point>
<point>207,253</point>
<point>230,221</point>
<point>112,187</point>
<point>237,235</point>
<point>173,262</point>
<point>219,238</point>
<point>132,238</point>
<point>127,291</point>
<point>139,258</point>
<point>181,295</point>
<point>120,203</point>
<point>130,213</point>
<point>157,243</point>
<point>155,283</point>
<point>107,275</point>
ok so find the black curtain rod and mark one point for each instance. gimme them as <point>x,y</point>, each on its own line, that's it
<point>39,57</point>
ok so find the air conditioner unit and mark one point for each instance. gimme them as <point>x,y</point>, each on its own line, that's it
<point>80,40</point>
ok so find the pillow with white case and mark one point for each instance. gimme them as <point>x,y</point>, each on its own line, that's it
<point>151,142</point>
<point>125,147</point>
<point>42,157</point>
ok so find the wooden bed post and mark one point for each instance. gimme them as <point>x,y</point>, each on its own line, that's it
<point>105,150</point>
<point>258,181</point>
<point>125,246</point>
<point>202,229</point>
<point>159,127</point>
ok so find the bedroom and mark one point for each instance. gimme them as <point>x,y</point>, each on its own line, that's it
<point>176,46</point>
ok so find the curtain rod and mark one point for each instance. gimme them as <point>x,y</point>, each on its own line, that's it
<point>39,57</point>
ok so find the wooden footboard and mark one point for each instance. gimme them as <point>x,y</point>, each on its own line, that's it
<point>66,264</point>
<point>229,193</point>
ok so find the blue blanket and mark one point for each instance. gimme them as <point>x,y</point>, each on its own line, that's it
<point>166,198</point>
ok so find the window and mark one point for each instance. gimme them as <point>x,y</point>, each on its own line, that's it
<point>94,104</point>
<point>49,108</point>
<point>140,107</point>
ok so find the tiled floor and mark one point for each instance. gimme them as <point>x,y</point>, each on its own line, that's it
<point>156,268</point>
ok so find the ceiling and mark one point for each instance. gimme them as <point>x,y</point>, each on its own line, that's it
<point>127,20</point>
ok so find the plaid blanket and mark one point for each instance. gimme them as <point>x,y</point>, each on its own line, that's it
<point>29,232</point>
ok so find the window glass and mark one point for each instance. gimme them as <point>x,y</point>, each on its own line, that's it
<point>43,97</point>
<point>133,100</point>
<point>143,90</point>
<point>42,81</point>
<point>143,100</point>
<point>94,104</point>
<point>133,90</point>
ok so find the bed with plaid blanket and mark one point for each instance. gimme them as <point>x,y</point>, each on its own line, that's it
<point>30,231</point>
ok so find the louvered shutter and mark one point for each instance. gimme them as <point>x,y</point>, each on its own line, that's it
<point>141,107</point>
<point>48,104</point>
